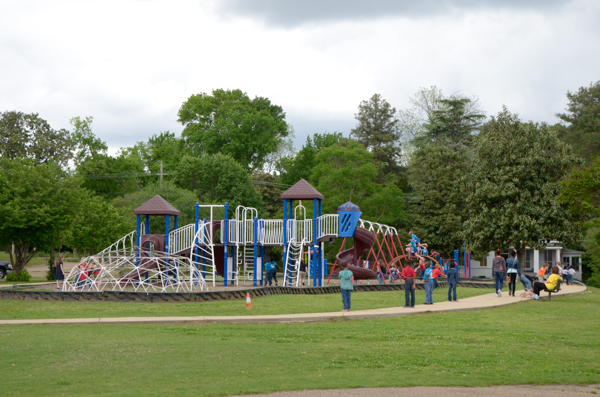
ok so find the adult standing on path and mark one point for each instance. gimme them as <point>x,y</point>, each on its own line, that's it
<point>346,286</point>
<point>429,285</point>
<point>59,272</point>
<point>408,273</point>
<point>452,282</point>
<point>499,272</point>
<point>513,267</point>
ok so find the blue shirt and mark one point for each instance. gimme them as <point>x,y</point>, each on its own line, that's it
<point>270,266</point>
<point>425,252</point>
<point>428,275</point>
<point>445,269</point>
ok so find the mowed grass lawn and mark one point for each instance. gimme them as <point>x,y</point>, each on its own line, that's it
<point>276,304</point>
<point>554,342</point>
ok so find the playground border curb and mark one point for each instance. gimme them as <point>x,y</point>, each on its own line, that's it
<point>275,318</point>
<point>177,297</point>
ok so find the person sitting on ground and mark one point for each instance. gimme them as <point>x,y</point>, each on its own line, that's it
<point>549,285</point>
<point>527,281</point>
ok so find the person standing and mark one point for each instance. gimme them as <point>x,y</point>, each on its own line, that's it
<point>429,285</point>
<point>452,282</point>
<point>346,277</point>
<point>302,272</point>
<point>571,274</point>
<point>59,272</point>
<point>408,273</point>
<point>422,269</point>
<point>513,268</point>
<point>565,274</point>
<point>499,272</point>
<point>381,271</point>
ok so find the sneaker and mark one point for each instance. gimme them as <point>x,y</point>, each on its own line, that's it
<point>456,300</point>
<point>405,307</point>
<point>536,297</point>
<point>499,293</point>
<point>497,296</point>
<point>276,284</point>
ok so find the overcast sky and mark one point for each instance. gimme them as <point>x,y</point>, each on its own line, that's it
<point>131,64</point>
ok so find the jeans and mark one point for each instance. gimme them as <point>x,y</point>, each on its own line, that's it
<point>429,291</point>
<point>346,298</point>
<point>452,290</point>
<point>526,282</point>
<point>512,284</point>
<point>271,274</point>
<point>421,274</point>
<point>409,293</point>
<point>499,278</point>
<point>380,278</point>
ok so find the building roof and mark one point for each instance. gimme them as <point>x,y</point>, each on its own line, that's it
<point>302,190</point>
<point>156,206</point>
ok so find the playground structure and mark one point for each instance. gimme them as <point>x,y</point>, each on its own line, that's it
<point>192,257</point>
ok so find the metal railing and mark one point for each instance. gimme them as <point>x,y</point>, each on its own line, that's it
<point>182,238</point>
<point>270,231</point>
<point>327,225</point>
<point>300,230</point>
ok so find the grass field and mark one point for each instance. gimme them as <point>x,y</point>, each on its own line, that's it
<point>552,342</point>
<point>276,304</point>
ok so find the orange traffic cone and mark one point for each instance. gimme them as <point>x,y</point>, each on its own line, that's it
<point>248,301</point>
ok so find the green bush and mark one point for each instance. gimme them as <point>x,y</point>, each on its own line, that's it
<point>22,276</point>
<point>593,281</point>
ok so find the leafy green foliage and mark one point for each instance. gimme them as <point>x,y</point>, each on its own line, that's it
<point>164,147</point>
<point>85,143</point>
<point>270,190</point>
<point>231,123</point>
<point>182,199</point>
<point>377,130</point>
<point>347,172</point>
<point>512,191</point>
<point>27,135</point>
<point>293,169</point>
<point>439,172</point>
<point>216,179</point>
<point>37,203</point>
<point>583,119</point>
<point>96,225</point>
<point>22,276</point>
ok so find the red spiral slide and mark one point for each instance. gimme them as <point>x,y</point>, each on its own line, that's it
<point>363,242</point>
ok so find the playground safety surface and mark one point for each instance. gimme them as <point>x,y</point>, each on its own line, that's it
<point>492,391</point>
<point>487,301</point>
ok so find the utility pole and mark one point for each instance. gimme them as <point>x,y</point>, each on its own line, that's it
<point>161,173</point>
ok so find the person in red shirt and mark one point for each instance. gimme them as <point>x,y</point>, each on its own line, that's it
<point>408,274</point>
<point>421,269</point>
<point>435,274</point>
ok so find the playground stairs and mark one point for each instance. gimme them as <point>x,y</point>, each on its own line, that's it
<point>245,260</point>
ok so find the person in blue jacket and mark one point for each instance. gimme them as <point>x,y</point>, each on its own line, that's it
<point>346,286</point>
<point>452,282</point>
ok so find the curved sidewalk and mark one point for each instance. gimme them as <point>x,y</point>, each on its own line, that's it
<point>474,303</point>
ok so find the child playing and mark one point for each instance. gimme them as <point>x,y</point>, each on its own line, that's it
<point>452,282</point>
<point>346,277</point>
<point>542,272</point>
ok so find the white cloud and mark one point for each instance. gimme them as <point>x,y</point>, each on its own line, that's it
<point>131,64</point>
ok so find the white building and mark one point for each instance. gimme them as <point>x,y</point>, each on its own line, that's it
<point>534,259</point>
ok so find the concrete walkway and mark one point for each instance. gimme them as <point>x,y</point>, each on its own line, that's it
<point>475,303</point>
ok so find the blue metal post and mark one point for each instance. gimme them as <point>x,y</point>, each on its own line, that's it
<point>225,239</point>
<point>255,224</point>
<point>313,268</point>
<point>167,224</point>
<point>262,264</point>
<point>321,250</point>
<point>147,224</point>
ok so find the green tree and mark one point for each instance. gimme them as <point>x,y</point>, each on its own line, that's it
<point>270,190</point>
<point>300,166</point>
<point>439,209</point>
<point>216,179</point>
<point>165,148</point>
<point>182,199</point>
<point>27,135</point>
<point>377,130</point>
<point>229,122</point>
<point>86,144</point>
<point>512,190</point>
<point>347,172</point>
<point>37,204</point>
<point>583,121</point>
